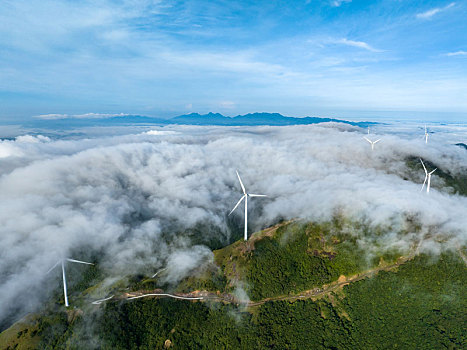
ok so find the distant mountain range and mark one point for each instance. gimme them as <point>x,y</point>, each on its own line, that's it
<point>251,119</point>
<point>255,119</point>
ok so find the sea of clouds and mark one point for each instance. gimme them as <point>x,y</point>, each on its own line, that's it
<point>130,197</point>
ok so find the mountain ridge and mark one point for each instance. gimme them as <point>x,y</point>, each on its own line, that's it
<point>256,119</point>
<point>208,119</point>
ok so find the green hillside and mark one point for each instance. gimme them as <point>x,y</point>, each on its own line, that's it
<point>293,257</point>
<point>443,179</point>
<point>311,286</point>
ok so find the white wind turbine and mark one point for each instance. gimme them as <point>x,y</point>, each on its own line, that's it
<point>62,261</point>
<point>426,134</point>
<point>245,197</point>
<point>372,143</point>
<point>427,177</point>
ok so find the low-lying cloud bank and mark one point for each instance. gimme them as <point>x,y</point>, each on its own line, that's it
<point>129,197</point>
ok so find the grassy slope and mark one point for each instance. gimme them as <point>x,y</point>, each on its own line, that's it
<point>24,333</point>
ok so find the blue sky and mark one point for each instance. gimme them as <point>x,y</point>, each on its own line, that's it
<point>164,58</point>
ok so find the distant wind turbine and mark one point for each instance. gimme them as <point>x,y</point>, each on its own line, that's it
<point>426,134</point>
<point>62,262</point>
<point>368,130</point>
<point>427,177</point>
<point>245,197</point>
<point>372,143</point>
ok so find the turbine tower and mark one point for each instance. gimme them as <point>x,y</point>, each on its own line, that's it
<point>245,197</point>
<point>426,134</point>
<point>427,177</point>
<point>372,143</point>
<point>62,262</point>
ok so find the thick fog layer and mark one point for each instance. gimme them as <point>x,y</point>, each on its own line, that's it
<point>128,199</point>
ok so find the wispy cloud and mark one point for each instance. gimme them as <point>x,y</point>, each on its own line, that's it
<point>227,104</point>
<point>430,13</point>
<point>358,44</point>
<point>54,116</point>
<point>457,53</point>
<point>337,3</point>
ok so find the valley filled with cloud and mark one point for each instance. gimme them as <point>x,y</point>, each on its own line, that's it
<point>138,202</point>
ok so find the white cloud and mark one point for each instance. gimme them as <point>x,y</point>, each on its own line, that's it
<point>337,3</point>
<point>7,149</point>
<point>227,104</point>
<point>457,53</point>
<point>430,13</point>
<point>358,44</point>
<point>32,139</point>
<point>78,116</point>
<point>160,132</point>
<point>132,197</point>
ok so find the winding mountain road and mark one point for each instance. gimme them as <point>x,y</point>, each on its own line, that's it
<point>231,299</point>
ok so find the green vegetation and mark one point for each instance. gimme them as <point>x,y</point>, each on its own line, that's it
<point>294,257</point>
<point>211,278</point>
<point>275,269</point>
<point>420,305</point>
<point>23,335</point>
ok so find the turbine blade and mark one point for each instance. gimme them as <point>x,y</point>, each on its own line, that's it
<point>158,272</point>
<point>426,172</point>
<point>366,139</point>
<point>377,141</point>
<point>241,183</point>
<point>238,203</point>
<point>256,195</point>
<point>53,267</point>
<point>432,171</point>
<point>80,262</point>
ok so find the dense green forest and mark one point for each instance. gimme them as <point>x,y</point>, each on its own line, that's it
<point>296,256</point>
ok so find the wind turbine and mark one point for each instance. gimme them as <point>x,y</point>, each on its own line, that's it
<point>368,130</point>
<point>426,135</point>
<point>245,197</point>
<point>372,142</point>
<point>62,262</point>
<point>427,177</point>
